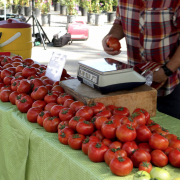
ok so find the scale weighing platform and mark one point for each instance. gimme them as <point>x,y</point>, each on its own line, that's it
<point>107,75</point>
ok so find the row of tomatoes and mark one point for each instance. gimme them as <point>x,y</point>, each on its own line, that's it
<point>113,135</point>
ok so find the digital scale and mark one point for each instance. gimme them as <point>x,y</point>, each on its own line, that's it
<point>107,75</point>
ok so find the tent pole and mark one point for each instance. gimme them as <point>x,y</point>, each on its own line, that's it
<point>4,9</point>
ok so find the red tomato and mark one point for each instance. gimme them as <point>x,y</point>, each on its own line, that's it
<point>68,102</point>
<point>143,133</point>
<point>48,81</point>
<point>6,60</point>
<point>76,105</point>
<point>35,65</point>
<point>41,116</point>
<point>147,115</point>
<point>39,103</point>
<point>99,122</point>
<point>24,86</point>
<point>140,155</point>
<point>5,73</point>
<point>58,88</point>
<point>159,158</point>
<point>7,66</point>
<point>128,120</point>
<point>121,166</point>
<point>108,129</point>
<point>161,131</point>
<point>5,87</point>
<point>85,128</point>
<point>39,93</point>
<point>75,141</point>
<point>107,142</point>
<point>56,109</point>
<point>64,135</point>
<point>113,43</point>
<point>7,80</point>
<point>36,83</point>
<point>129,147</point>
<point>18,97</point>
<point>49,106</point>
<point>158,141</point>
<point>74,121</point>
<point>153,126</point>
<point>15,64</point>
<point>20,67</point>
<point>168,150</point>
<point>96,107</point>
<point>139,117</point>
<point>93,119</point>
<point>50,98</point>
<point>96,151</point>
<point>126,133</point>
<point>50,124</point>
<point>28,62</point>
<point>110,108</point>
<point>109,155</point>
<point>98,134</point>
<point>174,142</point>
<point>145,166</point>
<point>14,58</point>
<point>121,111</point>
<point>115,145</point>
<point>12,97</point>
<point>120,153</point>
<point>14,85</point>
<point>34,76</point>
<point>174,157</point>
<point>62,125</point>
<point>105,113</point>
<point>33,113</point>
<point>169,136</point>
<point>85,112</point>
<point>117,117</point>
<point>66,114</point>
<point>16,78</point>
<point>28,71</point>
<point>145,146</point>
<point>86,143</point>
<point>4,95</point>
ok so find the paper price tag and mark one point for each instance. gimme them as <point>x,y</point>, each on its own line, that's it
<point>55,66</point>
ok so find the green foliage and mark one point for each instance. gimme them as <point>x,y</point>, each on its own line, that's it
<point>15,2</point>
<point>37,4</point>
<point>108,5</point>
<point>96,7</point>
<point>114,3</point>
<point>72,8</point>
<point>84,3</point>
<point>63,2</point>
<point>45,8</point>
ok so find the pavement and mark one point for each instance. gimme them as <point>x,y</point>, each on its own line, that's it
<point>79,50</point>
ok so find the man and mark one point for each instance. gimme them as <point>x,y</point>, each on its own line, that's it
<point>152,32</point>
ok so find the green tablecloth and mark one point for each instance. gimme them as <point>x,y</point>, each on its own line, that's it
<point>28,152</point>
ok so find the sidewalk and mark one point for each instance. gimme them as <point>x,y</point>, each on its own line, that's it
<point>78,50</point>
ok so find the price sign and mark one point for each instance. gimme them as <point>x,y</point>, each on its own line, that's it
<point>55,66</point>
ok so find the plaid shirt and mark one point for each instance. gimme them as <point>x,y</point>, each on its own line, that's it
<point>152,32</point>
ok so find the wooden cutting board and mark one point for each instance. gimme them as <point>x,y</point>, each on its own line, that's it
<point>141,97</point>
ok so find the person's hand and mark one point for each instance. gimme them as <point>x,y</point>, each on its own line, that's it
<point>107,49</point>
<point>159,76</point>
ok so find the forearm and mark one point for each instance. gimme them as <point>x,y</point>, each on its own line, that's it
<point>116,31</point>
<point>174,62</point>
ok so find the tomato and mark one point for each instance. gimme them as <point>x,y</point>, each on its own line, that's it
<point>99,122</point>
<point>141,175</point>
<point>117,117</point>
<point>115,145</point>
<point>41,73</point>
<point>33,113</point>
<point>121,166</point>
<point>15,64</point>
<point>120,153</point>
<point>145,166</point>
<point>59,89</point>
<point>12,97</point>
<point>93,119</point>
<point>36,65</point>
<point>145,146</point>
<point>49,106</point>
<point>87,142</point>
<point>50,124</point>
<point>108,129</point>
<point>5,73</point>
<point>4,95</point>
<point>174,142</point>
<point>159,158</point>
<point>158,141</point>
<point>174,157</point>
<point>56,109</point>
<point>75,141</point>
<point>105,113</point>
<point>28,62</point>
<point>113,43</point>
<point>48,81</point>
<point>169,136</point>
<point>7,66</point>
<point>68,102</point>
<point>96,151</point>
<point>6,60</point>
<point>14,58</point>
<point>66,114</point>
<point>76,105</point>
<point>147,115</point>
<point>56,83</point>
<point>39,93</point>
<point>140,155</point>
<point>64,135</point>
<point>35,83</point>
<point>18,97</point>
<point>143,133</point>
<point>98,134</point>
<point>121,111</point>
<point>85,128</point>
<point>153,126</point>
<point>107,142</point>
<point>7,80</point>
<point>62,125</point>
<point>161,131</point>
<point>126,133</point>
<point>129,147</point>
<point>110,108</point>
<point>160,173</point>
<point>50,98</point>
<point>24,104</point>
<point>96,107</point>
<point>129,121</point>
<point>28,71</point>
<point>5,87</point>
<point>74,121</point>
<point>16,78</point>
<point>168,150</point>
<point>139,117</point>
<point>14,85</point>
<point>85,112</point>
<point>41,116</point>
<point>20,67</point>
<point>109,155</point>
<point>39,103</point>
<point>34,76</point>
<point>24,86</point>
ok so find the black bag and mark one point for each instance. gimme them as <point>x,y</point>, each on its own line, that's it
<point>61,41</point>
<point>38,37</point>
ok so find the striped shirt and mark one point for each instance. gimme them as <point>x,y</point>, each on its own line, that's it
<point>152,33</point>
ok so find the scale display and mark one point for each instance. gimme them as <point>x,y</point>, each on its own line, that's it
<point>108,75</point>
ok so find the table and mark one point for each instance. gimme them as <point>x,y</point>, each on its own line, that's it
<point>28,152</point>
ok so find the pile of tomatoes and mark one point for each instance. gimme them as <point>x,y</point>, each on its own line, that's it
<point>109,134</point>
